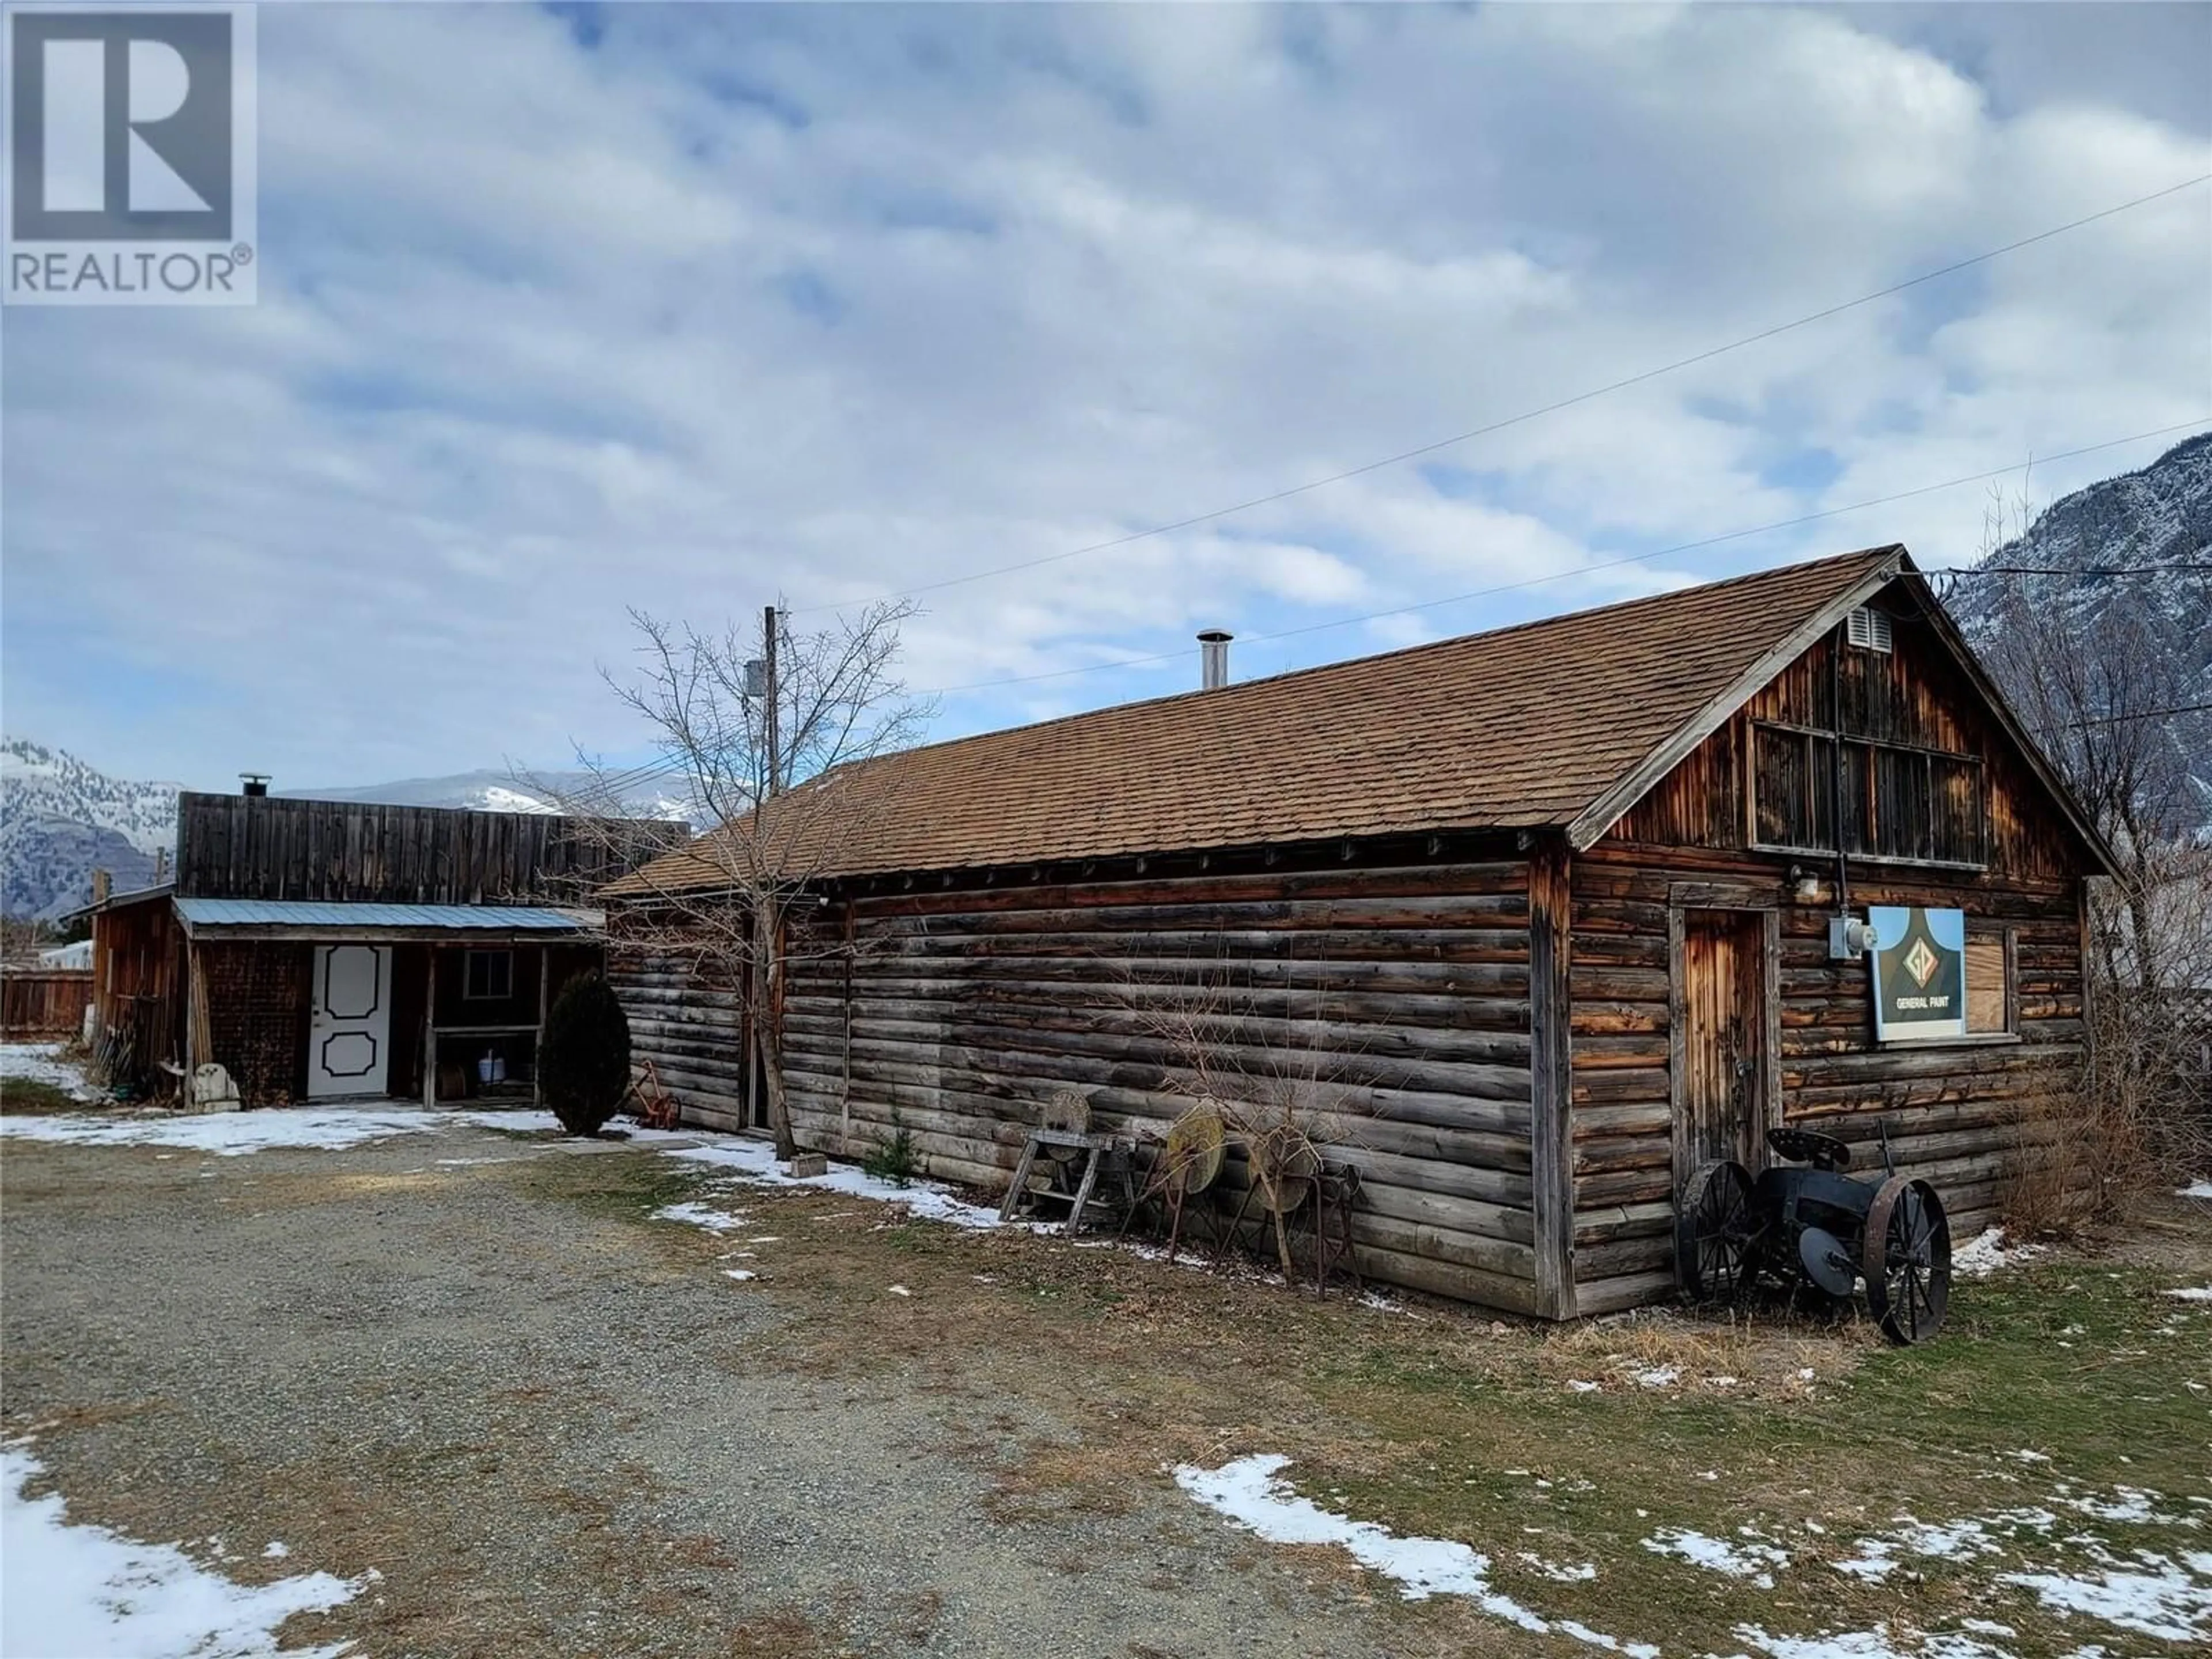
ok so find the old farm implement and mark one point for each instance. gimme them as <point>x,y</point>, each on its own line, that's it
<point>1804,1225</point>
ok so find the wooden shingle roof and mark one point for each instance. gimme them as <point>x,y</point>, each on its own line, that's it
<point>1538,726</point>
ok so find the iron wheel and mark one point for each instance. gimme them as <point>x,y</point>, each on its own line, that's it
<point>1716,1234</point>
<point>1907,1259</point>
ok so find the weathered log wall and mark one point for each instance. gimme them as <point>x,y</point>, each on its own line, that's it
<point>1952,1112</point>
<point>689,1021</point>
<point>1394,1001</point>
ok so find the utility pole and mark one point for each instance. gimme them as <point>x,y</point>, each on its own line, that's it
<point>768,713</point>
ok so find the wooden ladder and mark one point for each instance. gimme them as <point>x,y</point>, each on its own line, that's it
<point>1096,1147</point>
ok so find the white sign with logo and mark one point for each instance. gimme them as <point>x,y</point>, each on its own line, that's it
<point>131,155</point>
<point>1919,973</point>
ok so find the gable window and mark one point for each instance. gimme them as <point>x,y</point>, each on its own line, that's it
<point>1868,629</point>
<point>1898,802</point>
<point>488,977</point>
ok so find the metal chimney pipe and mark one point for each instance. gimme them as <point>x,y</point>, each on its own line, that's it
<point>1214,652</point>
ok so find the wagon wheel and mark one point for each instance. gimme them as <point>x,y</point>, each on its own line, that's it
<point>1906,1259</point>
<point>1285,1164</point>
<point>1196,1141</point>
<point>1716,1234</point>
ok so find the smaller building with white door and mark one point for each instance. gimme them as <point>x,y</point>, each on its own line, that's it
<point>330,951</point>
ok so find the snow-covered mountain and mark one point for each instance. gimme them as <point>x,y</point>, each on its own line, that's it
<point>60,818</point>
<point>2144,621</point>
<point>509,792</point>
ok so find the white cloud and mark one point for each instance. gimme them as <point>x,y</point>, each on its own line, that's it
<point>744,302</point>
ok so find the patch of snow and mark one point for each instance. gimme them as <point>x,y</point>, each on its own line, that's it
<point>275,1552</point>
<point>900,1289</point>
<point>2193,1293</point>
<point>1580,1573</point>
<point>700,1215</point>
<point>741,1274</point>
<point>1874,1644</point>
<point>2166,1599</point>
<point>1579,1385</point>
<point>233,1134</point>
<point>2131,1504</point>
<point>2196,1189</point>
<point>1951,1541</point>
<point>1987,1253</point>
<point>1659,1376</point>
<point>514,1121</point>
<point>1250,1493</point>
<point>83,1590</point>
<point>1752,1558</point>
<point>42,1062</point>
<point>754,1163</point>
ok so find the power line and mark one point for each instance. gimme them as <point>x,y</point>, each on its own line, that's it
<point>1580,570</point>
<point>2086,570</point>
<point>2142,715</point>
<point>1621,384</point>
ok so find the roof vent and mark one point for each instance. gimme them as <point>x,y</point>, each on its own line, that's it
<point>1214,653</point>
<point>256,783</point>
<point>1868,629</point>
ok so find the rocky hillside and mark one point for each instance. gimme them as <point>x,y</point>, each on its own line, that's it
<point>2141,624</point>
<point>60,819</point>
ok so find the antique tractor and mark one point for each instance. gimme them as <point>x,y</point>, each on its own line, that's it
<point>1804,1225</point>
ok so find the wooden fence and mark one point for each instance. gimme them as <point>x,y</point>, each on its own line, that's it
<point>44,1002</point>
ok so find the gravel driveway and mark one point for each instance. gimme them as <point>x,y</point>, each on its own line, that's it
<point>466,1361</point>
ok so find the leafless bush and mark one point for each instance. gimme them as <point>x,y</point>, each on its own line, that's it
<point>1277,1077</point>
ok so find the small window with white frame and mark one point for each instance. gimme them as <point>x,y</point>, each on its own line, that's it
<point>487,976</point>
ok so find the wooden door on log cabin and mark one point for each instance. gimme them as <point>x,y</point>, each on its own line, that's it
<point>1723,1051</point>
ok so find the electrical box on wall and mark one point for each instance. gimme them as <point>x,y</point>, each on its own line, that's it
<point>1850,938</point>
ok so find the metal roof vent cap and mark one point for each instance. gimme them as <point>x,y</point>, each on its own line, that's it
<point>256,784</point>
<point>1213,654</point>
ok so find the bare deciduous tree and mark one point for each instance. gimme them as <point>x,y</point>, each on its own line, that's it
<point>2089,669</point>
<point>769,736</point>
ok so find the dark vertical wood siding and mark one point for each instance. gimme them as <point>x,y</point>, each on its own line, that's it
<point>1401,993</point>
<point>138,977</point>
<point>349,852</point>
<point>1914,696</point>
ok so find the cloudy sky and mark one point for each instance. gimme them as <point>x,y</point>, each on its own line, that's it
<point>564,311</point>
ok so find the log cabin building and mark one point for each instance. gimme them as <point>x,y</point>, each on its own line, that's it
<point>1547,916</point>
<point>335,950</point>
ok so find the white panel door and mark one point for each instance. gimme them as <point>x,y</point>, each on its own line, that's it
<point>349,1040</point>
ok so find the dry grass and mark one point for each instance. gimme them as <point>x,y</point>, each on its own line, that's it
<point>1766,1357</point>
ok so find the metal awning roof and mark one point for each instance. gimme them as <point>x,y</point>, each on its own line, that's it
<point>349,921</point>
